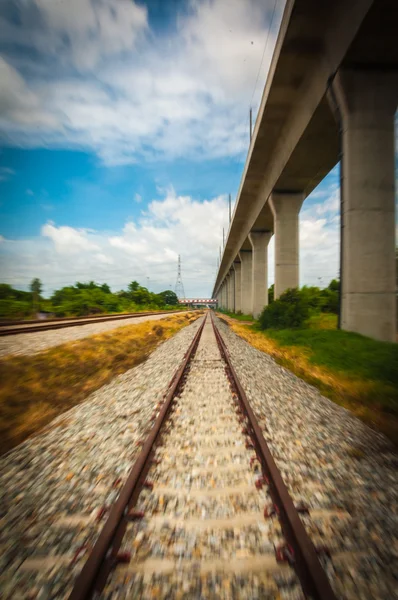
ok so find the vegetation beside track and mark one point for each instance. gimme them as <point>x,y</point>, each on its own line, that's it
<point>238,316</point>
<point>81,299</point>
<point>35,389</point>
<point>354,371</point>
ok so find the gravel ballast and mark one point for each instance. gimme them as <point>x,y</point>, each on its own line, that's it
<point>203,534</point>
<point>57,487</point>
<point>344,472</point>
<point>31,343</point>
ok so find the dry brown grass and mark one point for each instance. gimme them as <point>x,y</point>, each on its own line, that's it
<point>352,393</point>
<point>35,389</point>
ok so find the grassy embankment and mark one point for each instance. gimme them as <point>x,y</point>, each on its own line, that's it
<point>238,317</point>
<point>35,389</point>
<point>354,371</point>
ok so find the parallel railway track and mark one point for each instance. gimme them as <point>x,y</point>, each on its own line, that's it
<point>204,512</point>
<point>37,325</point>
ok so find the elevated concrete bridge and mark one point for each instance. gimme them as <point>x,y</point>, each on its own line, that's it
<point>331,94</point>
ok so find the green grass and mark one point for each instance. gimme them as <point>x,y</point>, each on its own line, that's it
<point>354,371</point>
<point>322,321</point>
<point>346,353</point>
<point>237,316</point>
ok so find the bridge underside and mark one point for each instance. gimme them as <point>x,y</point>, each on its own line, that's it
<point>331,93</point>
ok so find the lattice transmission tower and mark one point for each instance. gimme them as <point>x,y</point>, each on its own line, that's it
<point>179,289</point>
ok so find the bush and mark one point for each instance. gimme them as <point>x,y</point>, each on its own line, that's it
<point>331,301</point>
<point>15,309</point>
<point>291,310</point>
<point>314,297</point>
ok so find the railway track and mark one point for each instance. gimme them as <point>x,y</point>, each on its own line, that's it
<point>204,512</point>
<point>34,326</point>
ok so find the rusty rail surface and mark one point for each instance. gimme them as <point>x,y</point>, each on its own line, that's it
<point>6,329</point>
<point>304,557</point>
<point>104,555</point>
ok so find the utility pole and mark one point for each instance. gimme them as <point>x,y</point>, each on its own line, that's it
<point>179,289</point>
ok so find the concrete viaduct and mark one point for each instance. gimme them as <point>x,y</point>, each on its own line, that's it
<point>331,94</point>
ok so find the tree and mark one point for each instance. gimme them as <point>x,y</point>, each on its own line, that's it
<point>169,297</point>
<point>289,311</point>
<point>141,296</point>
<point>36,289</point>
<point>133,286</point>
<point>105,288</point>
<point>313,297</point>
<point>271,293</point>
<point>334,285</point>
<point>6,291</point>
<point>87,286</point>
<point>36,286</point>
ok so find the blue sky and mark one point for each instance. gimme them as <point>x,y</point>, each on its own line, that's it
<point>123,128</point>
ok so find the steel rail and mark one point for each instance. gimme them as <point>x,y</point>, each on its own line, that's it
<point>104,554</point>
<point>76,323</point>
<point>309,570</point>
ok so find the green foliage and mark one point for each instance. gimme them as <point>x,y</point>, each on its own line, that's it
<point>239,316</point>
<point>322,320</point>
<point>6,291</point>
<point>14,304</point>
<point>313,297</point>
<point>82,299</point>
<point>290,311</point>
<point>271,293</point>
<point>318,300</point>
<point>13,309</point>
<point>346,352</point>
<point>169,297</point>
<point>36,289</point>
<point>105,288</point>
<point>36,286</point>
<point>331,301</point>
<point>90,298</point>
<point>134,286</point>
<point>334,285</point>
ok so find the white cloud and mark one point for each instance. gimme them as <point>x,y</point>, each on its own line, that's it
<point>320,237</point>
<point>331,203</point>
<point>149,247</point>
<point>78,32</point>
<point>138,198</point>
<point>146,248</point>
<point>67,240</point>
<point>6,173</point>
<point>185,93</point>
<point>21,111</point>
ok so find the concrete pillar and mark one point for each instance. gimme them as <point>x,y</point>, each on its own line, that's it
<point>259,241</point>
<point>227,292</point>
<point>231,291</point>
<point>285,208</point>
<point>367,102</point>
<point>246,281</point>
<point>238,297</point>
<point>223,295</point>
